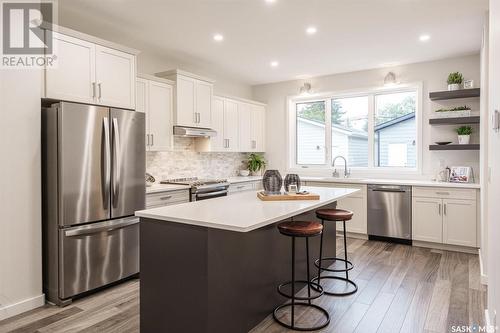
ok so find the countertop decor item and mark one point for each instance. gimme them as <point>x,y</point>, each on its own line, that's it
<point>455,80</point>
<point>256,163</point>
<point>244,173</point>
<point>292,179</point>
<point>460,111</point>
<point>460,174</point>
<point>442,143</point>
<point>286,197</point>
<point>272,182</point>
<point>464,133</point>
<point>150,179</point>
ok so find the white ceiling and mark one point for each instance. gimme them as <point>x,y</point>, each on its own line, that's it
<point>352,34</point>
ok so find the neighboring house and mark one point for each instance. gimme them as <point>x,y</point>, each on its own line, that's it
<point>394,143</point>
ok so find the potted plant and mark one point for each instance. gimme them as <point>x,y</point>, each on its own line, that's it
<point>455,80</point>
<point>464,133</point>
<point>256,163</point>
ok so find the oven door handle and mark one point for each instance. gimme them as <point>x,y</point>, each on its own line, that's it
<point>210,194</point>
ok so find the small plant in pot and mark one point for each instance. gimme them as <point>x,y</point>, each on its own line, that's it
<point>455,80</point>
<point>464,133</point>
<point>256,164</point>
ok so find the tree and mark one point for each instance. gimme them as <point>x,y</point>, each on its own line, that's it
<point>338,112</point>
<point>315,111</point>
<point>395,110</point>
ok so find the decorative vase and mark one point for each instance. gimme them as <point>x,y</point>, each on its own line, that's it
<point>272,182</point>
<point>463,139</point>
<point>454,86</point>
<point>292,179</point>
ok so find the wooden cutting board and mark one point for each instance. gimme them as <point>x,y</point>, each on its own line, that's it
<point>283,197</point>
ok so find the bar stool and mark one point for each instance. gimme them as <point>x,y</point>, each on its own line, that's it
<point>302,229</point>
<point>334,215</point>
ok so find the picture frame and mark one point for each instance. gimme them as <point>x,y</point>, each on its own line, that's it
<point>468,84</point>
<point>460,174</point>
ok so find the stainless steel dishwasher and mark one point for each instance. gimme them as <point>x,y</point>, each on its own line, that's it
<point>389,212</point>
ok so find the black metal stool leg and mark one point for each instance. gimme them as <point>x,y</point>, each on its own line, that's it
<point>345,253</point>
<point>308,274</point>
<point>321,251</point>
<point>293,283</point>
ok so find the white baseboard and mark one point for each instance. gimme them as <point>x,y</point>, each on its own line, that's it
<point>484,276</point>
<point>446,247</point>
<point>11,310</point>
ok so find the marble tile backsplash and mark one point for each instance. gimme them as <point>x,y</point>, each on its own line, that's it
<point>184,161</point>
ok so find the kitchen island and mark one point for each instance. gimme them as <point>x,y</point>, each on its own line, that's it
<point>214,265</point>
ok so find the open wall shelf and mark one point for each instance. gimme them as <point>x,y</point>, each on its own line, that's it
<point>454,94</point>
<point>472,146</point>
<point>455,120</point>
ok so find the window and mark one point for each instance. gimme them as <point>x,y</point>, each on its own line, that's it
<point>395,130</point>
<point>374,129</point>
<point>311,133</point>
<point>350,130</point>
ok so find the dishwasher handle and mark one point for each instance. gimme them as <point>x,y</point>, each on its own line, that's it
<point>389,188</point>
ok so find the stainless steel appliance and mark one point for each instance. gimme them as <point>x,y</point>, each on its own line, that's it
<point>202,189</point>
<point>389,212</point>
<point>93,166</point>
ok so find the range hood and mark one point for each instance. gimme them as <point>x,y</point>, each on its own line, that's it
<point>194,132</point>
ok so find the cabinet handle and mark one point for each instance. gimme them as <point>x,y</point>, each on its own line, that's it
<point>199,117</point>
<point>166,198</point>
<point>152,140</point>
<point>496,121</point>
<point>147,139</point>
<point>443,193</point>
<point>227,143</point>
<point>254,144</point>
<point>439,209</point>
<point>444,209</point>
<point>93,89</point>
<point>99,85</point>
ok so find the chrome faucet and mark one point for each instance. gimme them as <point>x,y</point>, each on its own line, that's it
<point>347,172</point>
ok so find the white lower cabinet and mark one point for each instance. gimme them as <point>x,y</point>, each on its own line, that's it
<point>356,203</point>
<point>459,222</point>
<point>245,186</point>
<point>167,198</point>
<point>427,220</point>
<point>445,217</point>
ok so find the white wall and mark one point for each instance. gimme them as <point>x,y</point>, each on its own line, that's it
<point>20,197</point>
<point>432,74</point>
<point>494,165</point>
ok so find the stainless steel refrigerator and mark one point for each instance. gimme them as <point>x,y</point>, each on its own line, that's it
<point>93,167</point>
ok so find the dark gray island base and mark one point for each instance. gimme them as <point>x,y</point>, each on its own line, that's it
<point>201,279</point>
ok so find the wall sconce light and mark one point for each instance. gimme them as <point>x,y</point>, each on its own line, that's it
<point>390,80</point>
<point>305,88</point>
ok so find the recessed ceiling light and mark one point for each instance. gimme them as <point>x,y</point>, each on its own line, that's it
<point>274,64</point>
<point>424,38</point>
<point>270,1</point>
<point>311,30</point>
<point>218,37</point>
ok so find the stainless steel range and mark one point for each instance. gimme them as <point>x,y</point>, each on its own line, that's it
<point>202,189</point>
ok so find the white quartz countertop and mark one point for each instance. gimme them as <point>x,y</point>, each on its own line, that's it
<point>243,211</point>
<point>157,188</point>
<point>241,179</point>
<point>411,182</point>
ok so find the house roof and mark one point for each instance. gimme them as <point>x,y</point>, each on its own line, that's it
<point>395,121</point>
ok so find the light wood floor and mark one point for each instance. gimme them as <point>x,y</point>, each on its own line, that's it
<point>401,289</point>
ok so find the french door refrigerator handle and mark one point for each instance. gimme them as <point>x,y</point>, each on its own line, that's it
<point>107,171</point>
<point>118,163</point>
<point>99,227</point>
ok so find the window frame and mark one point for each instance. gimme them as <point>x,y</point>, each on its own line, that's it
<point>371,93</point>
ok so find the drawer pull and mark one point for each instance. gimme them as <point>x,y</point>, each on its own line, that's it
<point>166,198</point>
<point>443,193</point>
<point>241,186</point>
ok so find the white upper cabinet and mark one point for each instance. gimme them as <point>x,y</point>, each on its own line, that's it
<point>87,72</point>
<point>225,123</point>
<point>245,127</point>
<point>155,98</point>
<point>115,77</point>
<point>231,125</point>
<point>258,128</point>
<point>73,79</point>
<point>193,97</point>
